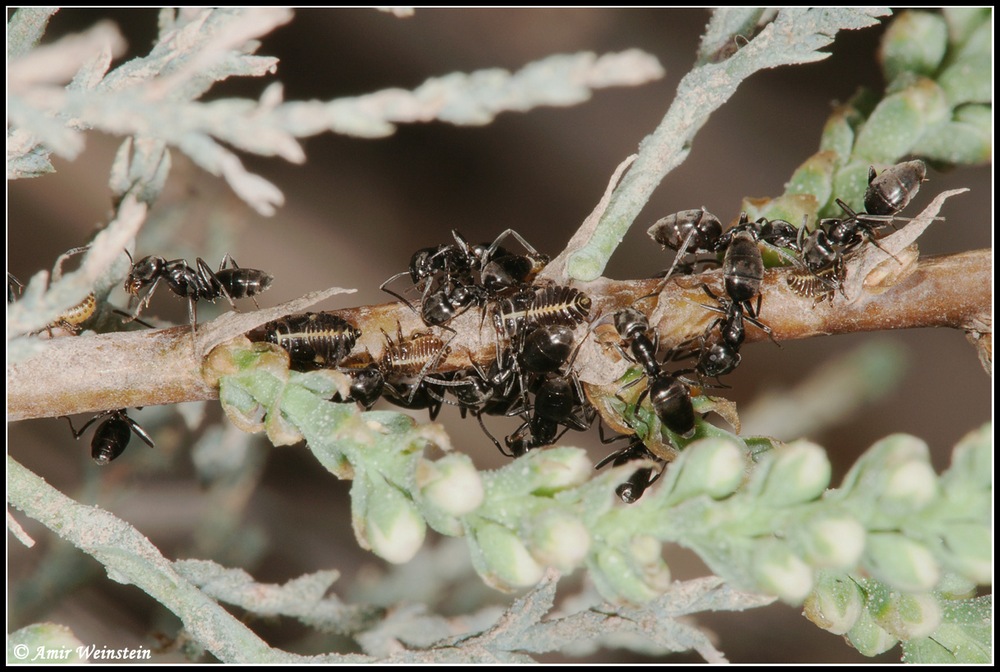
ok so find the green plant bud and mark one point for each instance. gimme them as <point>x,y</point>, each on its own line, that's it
<point>780,572</point>
<point>647,555</point>
<point>451,484</point>
<point>979,40</point>
<point>962,142</point>
<point>971,463</point>
<point>909,487</point>
<point>645,549</point>
<point>969,550</point>
<point>838,132</point>
<point>558,469</point>
<point>867,478</point>
<point>617,577</point>
<point>800,472</point>
<point>868,637</point>
<point>954,586</point>
<point>914,42</point>
<point>814,176</point>
<point>712,466</point>
<point>964,21</point>
<point>900,120</point>
<point>901,562</point>
<point>508,562</point>
<point>907,616</point>
<point>835,604</point>
<point>849,184</point>
<point>393,527</point>
<point>969,80</point>
<point>834,542</point>
<point>559,540</point>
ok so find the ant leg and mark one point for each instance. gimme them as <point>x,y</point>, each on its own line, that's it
<point>137,430</point>
<point>385,289</point>
<point>680,254</point>
<point>57,269</point>
<point>76,434</point>
<point>479,417</point>
<point>517,236</point>
<point>227,258</point>
<point>193,314</point>
<point>211,281</point>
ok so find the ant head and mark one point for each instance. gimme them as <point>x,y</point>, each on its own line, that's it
<point>144,272</point>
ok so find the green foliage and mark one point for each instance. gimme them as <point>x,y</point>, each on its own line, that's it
<point>770,531</point>
<point>936,106</point>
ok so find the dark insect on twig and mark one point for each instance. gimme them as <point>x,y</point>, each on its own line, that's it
<point>111,436</point>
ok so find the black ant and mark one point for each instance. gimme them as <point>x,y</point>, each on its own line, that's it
<point>743,265</point>
<point>367,384</point>
<point>687,232</point>
<point>195,283</point>
<point>546,348</point>
<point>633,488</point>
<point>452,278</point>
<point>633,328</point>
<point>112,436</point>
<point>823,249</point>
<point>723,356</point>
<point>670,399</point>
<point>668,395</point>
<point>887,194</point>
<point>490,392</point>
<point>893,189</point>
<point>559,401</point>
<point>313,340</point>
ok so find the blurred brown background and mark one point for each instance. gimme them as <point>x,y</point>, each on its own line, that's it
<point>357,209</point>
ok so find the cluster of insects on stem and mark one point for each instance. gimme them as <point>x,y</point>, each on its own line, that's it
<point>538,327</point>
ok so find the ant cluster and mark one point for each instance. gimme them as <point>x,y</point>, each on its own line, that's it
<point>531,376</point>
<point>536,324</point>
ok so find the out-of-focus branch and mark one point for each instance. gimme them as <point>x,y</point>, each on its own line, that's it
<point>98,372</point>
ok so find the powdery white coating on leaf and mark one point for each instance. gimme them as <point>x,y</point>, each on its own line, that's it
<point>474,98</point>
<point>965,635</point>
<point>655,628</point>
<point>157,96</point>
<point>307,598</point>
<point>129,557</point>
<point>25,28</point>
<point>62,60</point>
<point>15,528</point>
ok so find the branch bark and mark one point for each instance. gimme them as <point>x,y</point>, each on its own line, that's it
<point>92,373</point>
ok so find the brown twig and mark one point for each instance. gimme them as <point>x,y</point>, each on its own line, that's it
<point>98,372</point>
